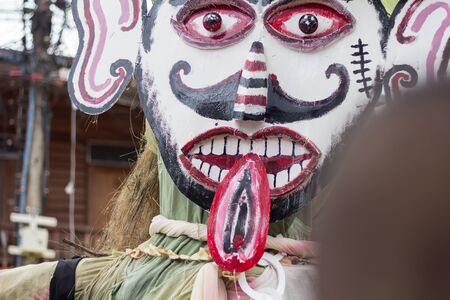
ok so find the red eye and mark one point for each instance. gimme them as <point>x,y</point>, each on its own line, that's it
<point>215,25</point>
<point>308,26</point>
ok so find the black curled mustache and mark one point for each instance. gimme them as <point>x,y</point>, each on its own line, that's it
<point>217,101</point>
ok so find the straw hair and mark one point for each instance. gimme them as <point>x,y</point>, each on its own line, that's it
<point>135,203</point>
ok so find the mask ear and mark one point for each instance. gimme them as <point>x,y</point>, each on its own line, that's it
<point>109,35</point>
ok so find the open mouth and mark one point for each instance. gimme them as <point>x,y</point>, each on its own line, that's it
<point>289,158</point>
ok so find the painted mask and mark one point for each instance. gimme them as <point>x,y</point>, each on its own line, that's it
<point>246,98</point>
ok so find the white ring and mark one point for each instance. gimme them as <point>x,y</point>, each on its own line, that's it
<point>266,293</point>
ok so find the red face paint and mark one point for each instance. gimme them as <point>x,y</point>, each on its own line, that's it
<point>239,218</point>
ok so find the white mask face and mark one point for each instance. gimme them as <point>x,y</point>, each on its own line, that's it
<point>219,79</point>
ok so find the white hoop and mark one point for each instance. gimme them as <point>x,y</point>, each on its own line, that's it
<point>266,293</point>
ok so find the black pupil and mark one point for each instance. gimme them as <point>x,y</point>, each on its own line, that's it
<point>212,22</point>
<point>308,24</point>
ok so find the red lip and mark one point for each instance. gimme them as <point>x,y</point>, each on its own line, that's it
<point>273,164</point>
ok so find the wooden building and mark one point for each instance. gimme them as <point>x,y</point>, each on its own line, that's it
<point>105,151</point>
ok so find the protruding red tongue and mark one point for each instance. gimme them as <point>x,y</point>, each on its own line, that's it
<point>239,218</point>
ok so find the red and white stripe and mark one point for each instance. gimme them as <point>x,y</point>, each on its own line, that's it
<point>251,100</point>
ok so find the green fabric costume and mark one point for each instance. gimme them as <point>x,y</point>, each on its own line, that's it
<point>155,277</point>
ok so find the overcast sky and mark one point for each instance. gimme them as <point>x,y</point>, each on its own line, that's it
<point>11,28</point>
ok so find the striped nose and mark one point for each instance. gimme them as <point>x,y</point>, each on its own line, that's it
<point>251,100</point>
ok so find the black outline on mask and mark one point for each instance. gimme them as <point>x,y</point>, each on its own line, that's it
<point>217,101</point>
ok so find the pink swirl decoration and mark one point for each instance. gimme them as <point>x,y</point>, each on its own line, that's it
<point>90,63</point>
<point>125,17</point>
<point>438,38</point>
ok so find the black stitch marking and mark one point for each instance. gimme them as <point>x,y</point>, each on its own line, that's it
<point>363,68</point>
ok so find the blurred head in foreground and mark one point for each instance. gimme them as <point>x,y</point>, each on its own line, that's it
<point>386,228</point>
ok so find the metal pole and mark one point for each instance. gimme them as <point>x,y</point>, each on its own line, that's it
<point>26,152</point>
<point>26,162</point>
<point>73,161</point>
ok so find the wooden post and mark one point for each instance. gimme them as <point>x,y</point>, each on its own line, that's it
<point>40,29</point>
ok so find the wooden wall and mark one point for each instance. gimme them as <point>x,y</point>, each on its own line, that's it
<point>7,187</point>
<point>113,126</point>
<point>95,183</point>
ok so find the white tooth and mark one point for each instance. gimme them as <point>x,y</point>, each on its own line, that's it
<point>299,149</point>
<point>195,150</point>
<point>295,171</point>
<point>224,173</point>
<point>259,147</point>
<point>196,163</point>
<point>208,147</point>
<point>305,163</point>
<point>271,179</point>
<point>282,178</point>
<point>244,147</point>
<point>273,147</point>
<point>218,145</point>
<point>214,174</point>
<point>232,143</point>
<point>204,147</point>
<point>286,147</point>
<point>205,168</point>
